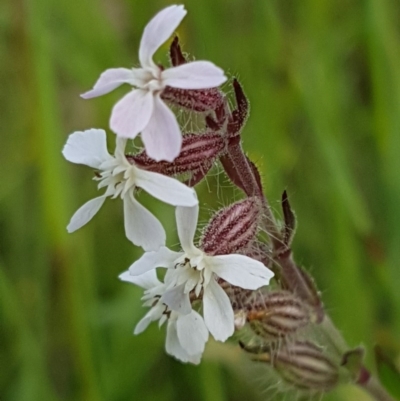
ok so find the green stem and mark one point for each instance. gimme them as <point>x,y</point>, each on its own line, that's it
<point>374,388</point>
<point>371,385</point>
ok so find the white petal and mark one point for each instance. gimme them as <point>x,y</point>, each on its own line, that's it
<point>108,81</point>
<point>240,270</point>
<point>177,300</point>
<point>87,147</point>
<point>162,137</point>
<point>194,75</point>
<point>141,227</point>
<point>143,324</point>
<point>132,113</point>
<point>163,257</point>
<point>153,314</point>
<point>174,348</point>
<point>166,189</point>
<point>146,280</point>
<point>157,31</point>
<point>85,213</point>
<point>186,221</point>
<point>218,312</point>
<point>192,333</point>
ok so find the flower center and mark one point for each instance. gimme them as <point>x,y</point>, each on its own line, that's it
<point>153,81</point>
<point>118,176</point>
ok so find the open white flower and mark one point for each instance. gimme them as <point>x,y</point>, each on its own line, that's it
<point>186,333</point>
<point>194,271</point>
<point>121,178</point>
<point>142,110</point>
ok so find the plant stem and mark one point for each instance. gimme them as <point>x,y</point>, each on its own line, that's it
<point>371,383</point>
<point>374,388</point>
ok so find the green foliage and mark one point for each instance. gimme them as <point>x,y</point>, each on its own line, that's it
<point>323,79</point>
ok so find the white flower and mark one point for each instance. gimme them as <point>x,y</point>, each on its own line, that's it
<point>193,270</point>
<point>121,178</point>
<point>186,333</point>
<point>142,110</point>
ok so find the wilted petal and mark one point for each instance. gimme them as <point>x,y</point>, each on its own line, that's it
<point>186,221</point>
<point>240,270</point>
<point>166,189</point>
<point>162,137</point>
<point>132,113</point>
<point>192,333</point>
<point>194,75</point>
<point>87,147</point>
<point>177,300</point>
<point>218,312</point>
<point>174,348</point>
<point>157,31</point>
<point>163,257</point>
<point>85,213</point>
<point>141,227</point>
<point>146,280</point>
<point>108,81</point>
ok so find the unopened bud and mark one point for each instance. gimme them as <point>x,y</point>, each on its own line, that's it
<point>277,314</point>
<point>197,156</point>
<point>232,228</point>
<point>304,365</point>
<point>199,100</point>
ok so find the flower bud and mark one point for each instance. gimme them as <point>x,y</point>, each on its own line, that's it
<point>197,156</point>
<point>199,100</point>
<point>277,314</point>
<point>232,228</point>
<point>304,365</point>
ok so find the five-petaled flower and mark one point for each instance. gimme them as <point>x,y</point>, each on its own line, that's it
<point>194,273</point>
<point>143,110</point>
<point>122,178</point>
<point>186,333</point>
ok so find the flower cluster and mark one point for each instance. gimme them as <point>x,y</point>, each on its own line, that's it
<point>223,283</point>
<point>192,297</point>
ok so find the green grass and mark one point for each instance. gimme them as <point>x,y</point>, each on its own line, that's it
<point>323,80</point>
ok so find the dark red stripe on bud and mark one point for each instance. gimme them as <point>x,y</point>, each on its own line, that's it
<point>200,100</point>
<point>198,154</point>
<point>233,228</point>
<point>277,314</point>
<point>304,365</point>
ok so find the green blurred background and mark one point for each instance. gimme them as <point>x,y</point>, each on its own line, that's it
<point>323,79</point>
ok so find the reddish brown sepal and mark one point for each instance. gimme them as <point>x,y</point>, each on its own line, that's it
<point>175,53</point>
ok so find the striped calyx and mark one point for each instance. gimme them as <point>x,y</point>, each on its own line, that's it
<point>198,154</point>
<point>277,314</point>
<point>304,365</point>
<point>199,100</point>
<point>233,228</point>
